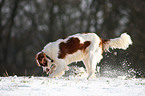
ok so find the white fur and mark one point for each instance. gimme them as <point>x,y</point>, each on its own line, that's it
<point>121,42</point>
<point>91,56</point>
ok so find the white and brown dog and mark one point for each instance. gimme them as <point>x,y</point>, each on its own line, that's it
<point>86,47</point>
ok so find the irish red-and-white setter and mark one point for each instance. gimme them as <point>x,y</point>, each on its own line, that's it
<point>86,47</point>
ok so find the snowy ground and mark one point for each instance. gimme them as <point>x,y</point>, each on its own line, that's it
<point>71,86</point>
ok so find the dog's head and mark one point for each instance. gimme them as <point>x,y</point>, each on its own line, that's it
<point>43,61</point>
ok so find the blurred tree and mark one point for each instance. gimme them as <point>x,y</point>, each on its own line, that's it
<point>27,25</point>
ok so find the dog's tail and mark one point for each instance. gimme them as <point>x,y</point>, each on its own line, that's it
<point>121,42</point>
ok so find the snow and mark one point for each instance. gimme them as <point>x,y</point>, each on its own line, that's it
<point>71,86</point>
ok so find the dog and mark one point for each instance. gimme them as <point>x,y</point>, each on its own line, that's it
<point>86,47</point>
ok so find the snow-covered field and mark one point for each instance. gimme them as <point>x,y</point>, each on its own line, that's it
<point>71,86</point>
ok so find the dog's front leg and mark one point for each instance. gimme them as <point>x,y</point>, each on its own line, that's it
<point>52,69</point>
<point>58,71</point>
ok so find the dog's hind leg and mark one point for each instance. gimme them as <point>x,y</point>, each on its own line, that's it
<point>94,58</point>
<point>93,63</point>
<point>87,64</point>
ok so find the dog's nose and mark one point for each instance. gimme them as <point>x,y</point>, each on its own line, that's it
<point>47,70</point>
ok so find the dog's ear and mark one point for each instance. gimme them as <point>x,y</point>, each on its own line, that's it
<point>41,59</point>
<point>37,58</point>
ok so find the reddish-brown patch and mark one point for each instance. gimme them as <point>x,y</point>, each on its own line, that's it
<point>102,42</point>
<point>71,46</point>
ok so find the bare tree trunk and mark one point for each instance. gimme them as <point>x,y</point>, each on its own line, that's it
<point>6,38</point>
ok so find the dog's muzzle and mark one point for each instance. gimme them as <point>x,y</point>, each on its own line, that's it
<point>46,70</point>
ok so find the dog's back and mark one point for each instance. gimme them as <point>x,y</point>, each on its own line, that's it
<point>72,48</point>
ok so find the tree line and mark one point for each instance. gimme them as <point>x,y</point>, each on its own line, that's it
<point>26,26</point>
